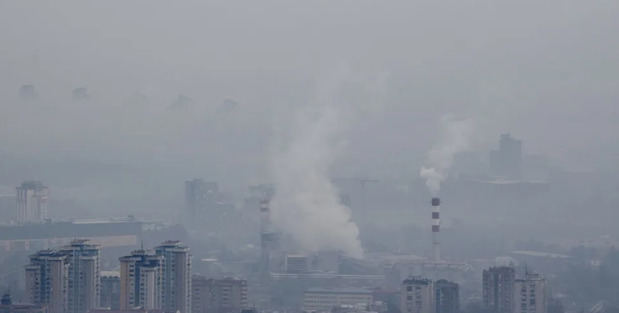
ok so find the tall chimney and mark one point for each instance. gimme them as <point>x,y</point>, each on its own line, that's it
<point>436,225</point>
<point>265,228</point>
<point>265,216</point>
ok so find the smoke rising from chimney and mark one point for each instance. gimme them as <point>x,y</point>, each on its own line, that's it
<point>454,138</point>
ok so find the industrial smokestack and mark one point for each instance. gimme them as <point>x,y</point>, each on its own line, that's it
<point>269,238</point>
<point>265,229</point>
<point>265,216</point>
<point>436,225</point>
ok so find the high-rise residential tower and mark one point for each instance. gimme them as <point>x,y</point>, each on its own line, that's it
<point>110,290</point>
<point>446,297</point>
<point>417,295</point>
<point>141,278</point>
<point>32,197</point>
<point>176,277</point>
<point>65,279</point>
<point>47,280</point>
<point>84,286</point>
<point>498,288</point>
<point>529,294</point>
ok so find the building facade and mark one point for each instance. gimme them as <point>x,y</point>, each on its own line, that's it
<point>228,295</point>
<point>498,286</point>
<point>506,162</point>
<point>110,290</point>
<point>47,280</point>
<point>297,263</point>
<point>84,282</point>
<point>446,297</point>
<point>417,295</point>
<point>141,280</point>
<point>176,277</point>
<point>65,279</point>
<point>7,306</point>
<point>199,195</point>
<point>324,299</point>
<point>529,294</point>
<point>32,197</point>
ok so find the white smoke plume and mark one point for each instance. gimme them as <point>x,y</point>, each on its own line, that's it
<point>307,205</point>
<point>455,137</point>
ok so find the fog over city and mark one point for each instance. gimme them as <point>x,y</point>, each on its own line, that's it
<point>257,132</point>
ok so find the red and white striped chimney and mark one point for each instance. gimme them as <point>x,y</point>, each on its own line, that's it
<point>436,225</point>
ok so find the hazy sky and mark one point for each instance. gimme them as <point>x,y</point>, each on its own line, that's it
<point>546,71</point>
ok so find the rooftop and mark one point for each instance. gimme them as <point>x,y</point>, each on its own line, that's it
<point>36,185</point>
<point>339,290</point>
<point>417,280</point>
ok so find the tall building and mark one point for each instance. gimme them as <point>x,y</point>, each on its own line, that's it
<point>47,278</point>
<point>65,279</point>
<point>84,287</point>
<point>446,297</point>
<point>199,195</point>
<point>506,162</point>
<point>498,286</point>
<point>141,275</point>
<point>32,197</point>
<point>110,290</point>
<point>176,282</point>
<point>529,294</point>
<point>417,295</point>
<point>227,295</point>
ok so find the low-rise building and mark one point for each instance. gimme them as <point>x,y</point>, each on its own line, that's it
<point>7,306</point>
<point>227,295</point>
<point>325,299</point>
